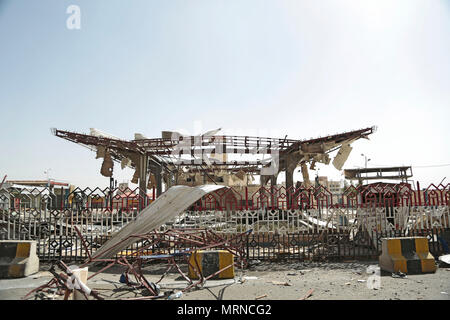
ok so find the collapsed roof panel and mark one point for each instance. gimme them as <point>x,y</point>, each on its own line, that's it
<point>166,207</point>
<point>169,150</point>
<point>211,154</point>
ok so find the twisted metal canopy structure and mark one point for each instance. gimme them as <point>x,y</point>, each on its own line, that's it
<point>174,154</point>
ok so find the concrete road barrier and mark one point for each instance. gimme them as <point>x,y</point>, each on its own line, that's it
<point>18,258</point>
<point>210,262</point>
<point>409,255</point>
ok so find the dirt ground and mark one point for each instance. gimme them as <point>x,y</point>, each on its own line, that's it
<point>265,281</point>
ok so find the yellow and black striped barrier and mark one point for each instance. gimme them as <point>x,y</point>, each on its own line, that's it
<point>18,258</point>
<point>409,255</point>
<point>210,262</point>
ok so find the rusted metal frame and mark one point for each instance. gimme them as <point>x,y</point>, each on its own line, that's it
<point>192,232</point>
<point>205,237</point>
<point>139,277</point>
<point>189,240</point>
<point>206,278</point>
<point>95,257</point>
<point>229,244</point>
<point>3,181</point>
<point>243,141</point>
<point>182,274</point>
<point>141,251</point>
<point>93,140</point>
<point>339,138</point>
<point>146,247</point>
<point>179,270</point>
<point>66,269</point>
<point>103,269</point>
<point>237,251</point>
<point>139,282</point>
<point>177,237</point>
<point>60,280</point>
<point>209,246</point>
<point>243,234</point>
<point>159,145</point>
<point>49,284</point>
<point>137,265</point>
<point>197,269</point>
<point>142,298</point>
<point>171,265</point>
<point>83,242</point>
<point>114,262</point>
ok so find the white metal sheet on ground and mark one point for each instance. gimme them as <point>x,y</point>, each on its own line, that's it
<point>318,222</point>
<point>305,224</point>
<point>445,258</point>
<point>166,207</point>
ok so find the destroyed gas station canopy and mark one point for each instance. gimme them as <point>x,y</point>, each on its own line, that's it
<point>208,158</point>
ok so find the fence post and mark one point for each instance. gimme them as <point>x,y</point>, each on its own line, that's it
<point>248,246</point>
<point>338,245</point>
<point>418,193</point>
<point>246,198</point>
<point>60,248</point>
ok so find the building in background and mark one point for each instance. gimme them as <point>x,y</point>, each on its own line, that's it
<point>52,192</point>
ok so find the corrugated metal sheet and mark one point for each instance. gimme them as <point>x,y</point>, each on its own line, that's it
<point>166,207</point>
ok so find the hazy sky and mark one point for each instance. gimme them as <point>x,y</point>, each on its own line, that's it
<point>257,67</point>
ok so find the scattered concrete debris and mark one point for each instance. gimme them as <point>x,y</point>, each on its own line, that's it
<point>280,283</point>
<point>175,295</point>
<point>399,274</point>
<point>373,269</point>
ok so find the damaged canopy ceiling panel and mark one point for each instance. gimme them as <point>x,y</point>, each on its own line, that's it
<point>166,207</point>
<point>342,156</point>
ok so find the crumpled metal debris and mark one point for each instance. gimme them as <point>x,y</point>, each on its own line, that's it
<point>399,274</point>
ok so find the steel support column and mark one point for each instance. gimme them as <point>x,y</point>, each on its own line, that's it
<point>143,168</point>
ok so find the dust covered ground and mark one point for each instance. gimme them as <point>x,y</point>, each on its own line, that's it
<point>263,281</point>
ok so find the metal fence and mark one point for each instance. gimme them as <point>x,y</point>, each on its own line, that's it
<point>295,223</point>
<point>374,195</point>
<point>334,246</point>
